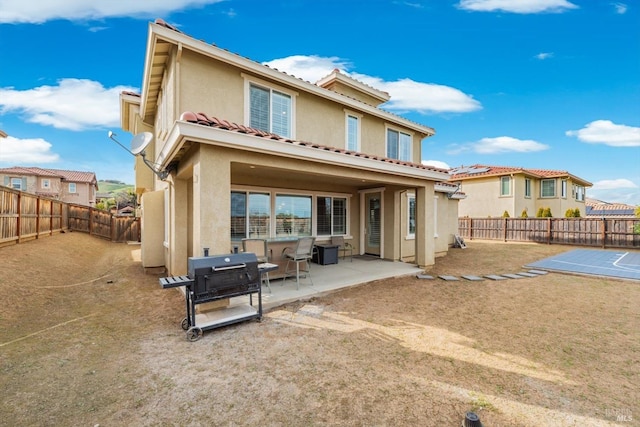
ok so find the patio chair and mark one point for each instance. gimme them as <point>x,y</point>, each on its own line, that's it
<point>303,252</point>
<point>258,247</point>
<point>343,246</point>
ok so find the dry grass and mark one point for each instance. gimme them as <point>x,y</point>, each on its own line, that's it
<point>87,338</point>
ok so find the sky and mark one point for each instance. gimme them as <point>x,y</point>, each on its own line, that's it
<point>543,84</point>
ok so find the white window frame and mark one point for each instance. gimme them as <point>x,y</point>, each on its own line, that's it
<point>46,183</point>
<point>527,188</point>
<point>399,132</point>
<point>16,183</point>
<point>274,192</point>
<point>542,195</point>
<point>563,188</point>
<point>411,197</point>
<point>251,80</point>
<point>314,219</point>
<point>509,182</point>
<point>73,188</point>
<point>358,117</point>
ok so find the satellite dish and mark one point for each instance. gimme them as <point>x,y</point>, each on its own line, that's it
<point>140,142</point>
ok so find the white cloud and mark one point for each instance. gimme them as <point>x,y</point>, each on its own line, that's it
<point>501,144</point>
<point>611,184</point>
<point>310,68</point>
<point>517,6</point>
<point>436,164</point>
<point>406,94</point>
<point>74,104</point>
<point>620,190</point>
<point>620,8</point>
<point>18,151</point>
<point>544,55</point>
<point>20,11</point>
<point>608,133</point>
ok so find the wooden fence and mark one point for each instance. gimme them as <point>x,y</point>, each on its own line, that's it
<point>25,216</point>
<point>602,232</point>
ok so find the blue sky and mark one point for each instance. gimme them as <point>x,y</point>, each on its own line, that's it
<point>550,84</point>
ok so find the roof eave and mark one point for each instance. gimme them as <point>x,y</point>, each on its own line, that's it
<point>182,132</point>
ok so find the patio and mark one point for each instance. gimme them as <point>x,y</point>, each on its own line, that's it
<point>327,278</point>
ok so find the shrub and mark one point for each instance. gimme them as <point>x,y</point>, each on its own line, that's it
<point>540,213</point>
<point>546,213</point>
<point>524,213</point>
<point>505,214</point>
<point>572,213</point>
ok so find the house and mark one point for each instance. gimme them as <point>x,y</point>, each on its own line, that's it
<point>493,190</point>
<point>75,187</point>
<point>241,150</point>
<point>600,209</point>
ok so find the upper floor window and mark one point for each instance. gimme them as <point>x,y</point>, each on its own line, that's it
<point>578,192</point>
<point>46,183</point>
<point>398,145</point>
<point>527,187</point>
<point>72,188</point>
<point>16,183</point>
<point>270,110</point>
<point>353,132</point>
<point>505,185</point>
<point>563,189</point>
<point>548,188</point>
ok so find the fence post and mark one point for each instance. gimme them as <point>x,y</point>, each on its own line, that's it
<point>37,217</point>
<point>548,231</point>
<point>470,228</point>
<point>505,229</point>
<point>18,222</point>
<point>604,233</point>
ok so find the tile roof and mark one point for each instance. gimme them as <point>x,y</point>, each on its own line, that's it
<point>481,171</point>
<point>596,207</point>
<point>203,119</point>
<point>65,175</point>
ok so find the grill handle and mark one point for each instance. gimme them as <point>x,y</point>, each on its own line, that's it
<point>231,267</point>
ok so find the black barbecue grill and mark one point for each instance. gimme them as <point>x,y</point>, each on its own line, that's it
<point>212,278</point>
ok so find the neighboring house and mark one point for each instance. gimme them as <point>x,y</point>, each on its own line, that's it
<point>600,209</point>
<point>250,151</point>
<point>68,186</point>
<point>492,190</point>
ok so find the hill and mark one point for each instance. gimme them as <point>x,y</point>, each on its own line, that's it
<point>112,186</point>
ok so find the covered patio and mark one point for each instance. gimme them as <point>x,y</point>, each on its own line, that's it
<point>328,278</point>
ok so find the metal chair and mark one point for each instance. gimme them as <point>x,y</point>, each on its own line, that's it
<point>343,246</point>
<point>303,252</point>
<point>258,247</point>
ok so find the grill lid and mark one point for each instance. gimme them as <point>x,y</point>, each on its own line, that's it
<point>218,263</point>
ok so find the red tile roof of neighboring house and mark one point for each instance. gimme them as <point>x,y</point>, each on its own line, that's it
<point>203,119</point>
<point>599,208</point>
<point>66,175</point>
<point>483,171</point>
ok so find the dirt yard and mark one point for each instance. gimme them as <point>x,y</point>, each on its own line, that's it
<point>87,338</point>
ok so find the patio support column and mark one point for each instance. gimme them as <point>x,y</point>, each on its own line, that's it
<point>425,227</point>
<point>177,228</point>
<point>212,201</point>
